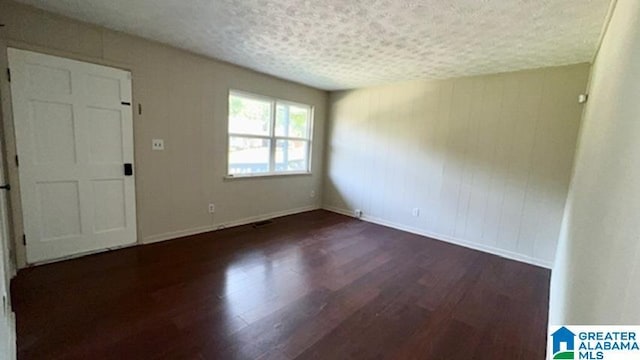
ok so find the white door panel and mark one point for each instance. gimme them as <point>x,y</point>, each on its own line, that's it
<point>74,133</point>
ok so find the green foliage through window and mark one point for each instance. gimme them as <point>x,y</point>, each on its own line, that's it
<point>262,140</point>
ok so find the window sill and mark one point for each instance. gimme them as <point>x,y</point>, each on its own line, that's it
<point>264,175</point>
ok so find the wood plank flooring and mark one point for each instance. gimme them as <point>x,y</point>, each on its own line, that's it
<point>315,285</point>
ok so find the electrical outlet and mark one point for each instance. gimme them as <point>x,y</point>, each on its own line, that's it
<point>312,194</point>
<point>415,212</point>
<point>212,208</point>
<point>357,213</point>
<point>157,144</point>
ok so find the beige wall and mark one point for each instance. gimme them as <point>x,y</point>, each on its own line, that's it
<point>184,100</point>
<point>487,159</point>
<point>596,277</point>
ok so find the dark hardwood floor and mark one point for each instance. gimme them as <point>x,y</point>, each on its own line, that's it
<point>311,286</point>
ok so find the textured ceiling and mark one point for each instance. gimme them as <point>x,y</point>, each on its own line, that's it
<point>339,44</point>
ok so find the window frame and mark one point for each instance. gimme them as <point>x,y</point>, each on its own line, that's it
<point>271,137</point>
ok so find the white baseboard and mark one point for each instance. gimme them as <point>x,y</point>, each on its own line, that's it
<point>177,234</point>
<point>456,241</point>
<point>244,221</point>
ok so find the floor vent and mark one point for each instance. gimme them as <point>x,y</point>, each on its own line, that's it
<point>260,224</point>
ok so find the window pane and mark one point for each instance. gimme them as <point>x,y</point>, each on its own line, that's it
<point>248,155</point>
<point>291,155</point>
<point>292,121</point>
<point>249,116</point>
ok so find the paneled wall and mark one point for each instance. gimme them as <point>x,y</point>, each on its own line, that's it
<point>485,160</point>
<point>184,101</point>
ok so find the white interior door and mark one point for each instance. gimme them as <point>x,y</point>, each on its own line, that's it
<point>74,135</point>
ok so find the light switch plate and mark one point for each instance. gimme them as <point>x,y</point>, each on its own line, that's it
<point>157,144</point>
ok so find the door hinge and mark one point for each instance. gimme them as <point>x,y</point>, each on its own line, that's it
<point>24,239</point>
<point>9,74</point>
<point>17,161</point>
<point>139,109</point>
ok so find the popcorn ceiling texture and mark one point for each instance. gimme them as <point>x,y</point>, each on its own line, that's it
<point>340,44</point>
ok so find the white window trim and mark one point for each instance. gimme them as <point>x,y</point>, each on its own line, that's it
<point>271,137</point>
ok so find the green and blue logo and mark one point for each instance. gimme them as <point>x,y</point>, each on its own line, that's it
<point>594,342</point>
<point>563,344</point>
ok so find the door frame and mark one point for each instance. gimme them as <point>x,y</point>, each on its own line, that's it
<point>16,226</point>
<point>7,319</point>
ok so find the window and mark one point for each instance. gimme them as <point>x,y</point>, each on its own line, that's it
<point>268,136</point>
